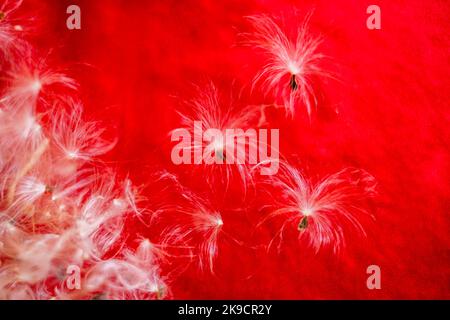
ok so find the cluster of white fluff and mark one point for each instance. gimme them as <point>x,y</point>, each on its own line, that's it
<point>59,207</point>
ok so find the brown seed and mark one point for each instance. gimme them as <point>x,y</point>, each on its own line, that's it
<point>303,224</point>
<point>293,83</point>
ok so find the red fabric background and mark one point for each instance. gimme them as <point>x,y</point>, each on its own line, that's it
<point>134,58</point>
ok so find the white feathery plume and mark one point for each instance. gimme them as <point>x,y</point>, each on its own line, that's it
<point>135,276</point>
<point>198,227</point>
<point>292,61</point>
<point>76,138</point>
<point>10,31</point>
<point>29,81</point>
<point>321,211</point>
<point>208,110</point>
